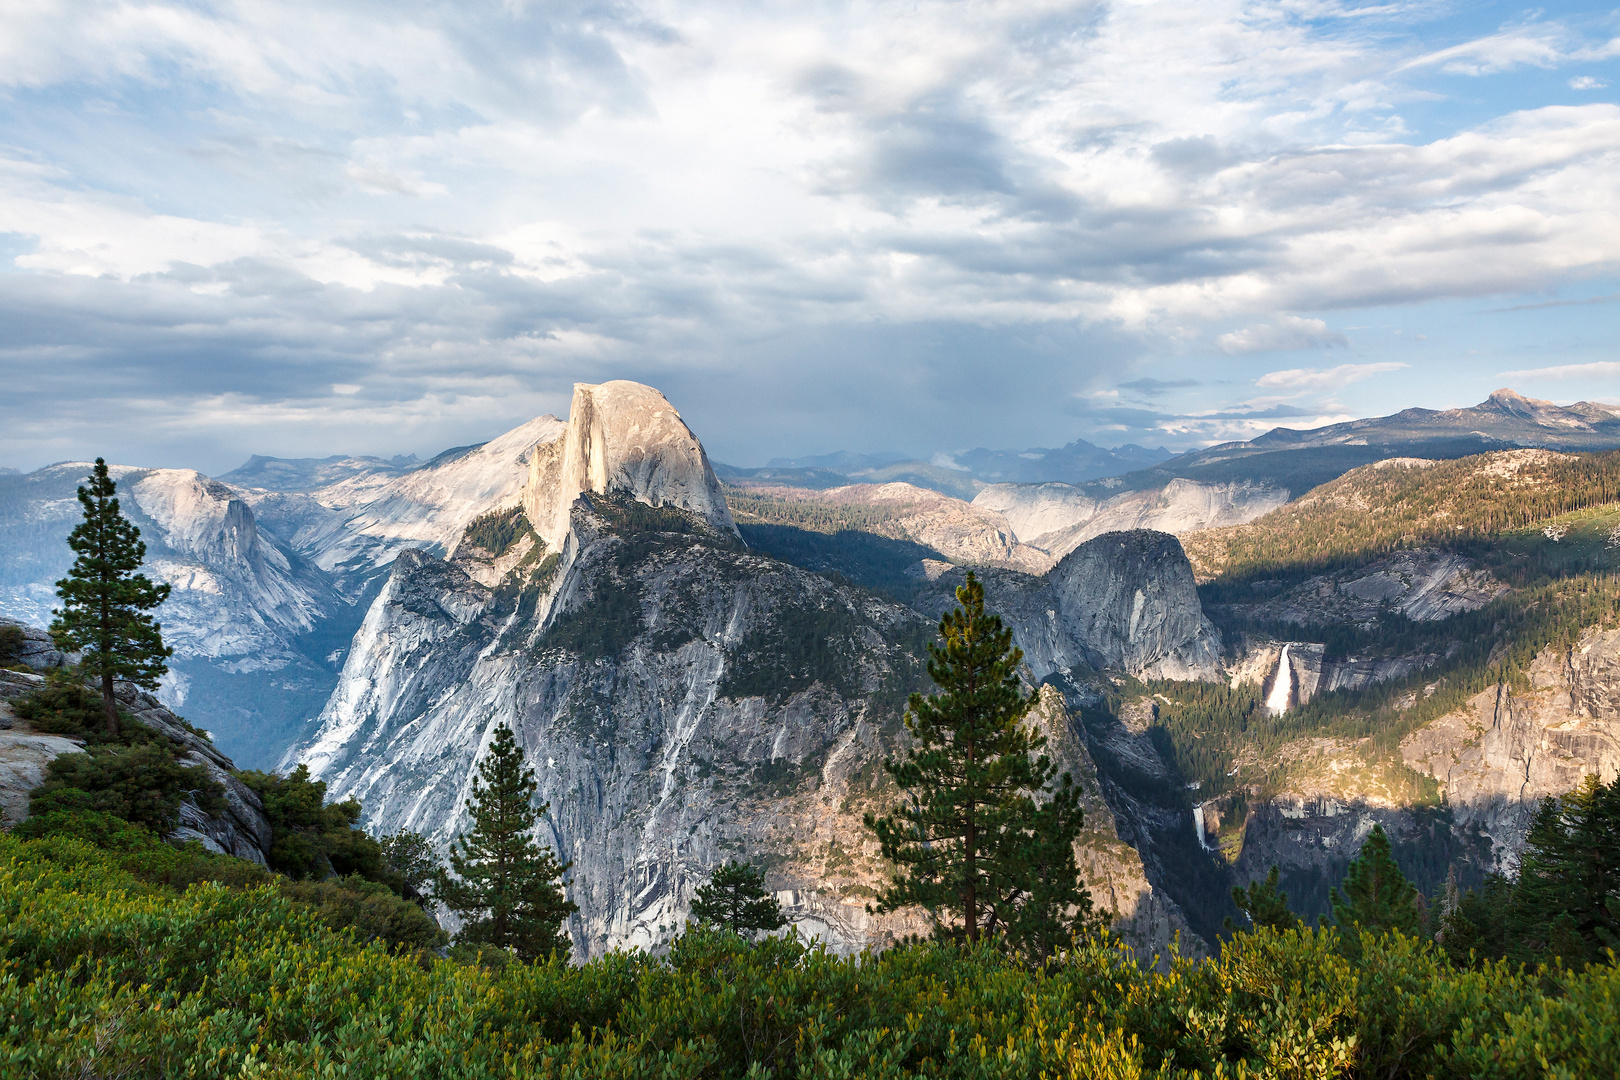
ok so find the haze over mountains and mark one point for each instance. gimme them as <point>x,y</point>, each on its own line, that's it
<point>703,662</point>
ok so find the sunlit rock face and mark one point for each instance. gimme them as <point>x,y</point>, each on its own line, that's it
<point>684,701</point>
<point>622,438</point>
<point>1507,749</point>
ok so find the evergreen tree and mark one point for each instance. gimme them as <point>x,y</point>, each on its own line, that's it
<point>105,602</point>
<point>506,886</point>
<point>735,899</point>
<point>1265,904</point>
<point>1377,895</point>
<point>970,843</point>
<point>1567,900</point>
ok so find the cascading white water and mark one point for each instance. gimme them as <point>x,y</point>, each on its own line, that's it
<point>1282,688</point>
<point>1198,827</point>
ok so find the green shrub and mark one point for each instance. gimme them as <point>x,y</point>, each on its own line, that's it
<point>103,830</point>
<point>142,784</point>
<point>312,838</point>
<point>64,706</point>
<point>372,910</point>
<point>104,975</point>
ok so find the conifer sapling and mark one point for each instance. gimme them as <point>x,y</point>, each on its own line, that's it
<point>735,899</point>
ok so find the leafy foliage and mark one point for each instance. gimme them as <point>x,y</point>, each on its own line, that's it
<point>11,639</point>
<point>970,844</point>
<point>1265,904</point>
<point>312,838</point>
<point>107,976</point>
<point>105,603</point>
<point>369,909</point>
<point>735,900</point>
<point>142,784</point>
<point>506,886</point>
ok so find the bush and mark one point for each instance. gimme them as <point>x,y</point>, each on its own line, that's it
<point>312,838</point>
<point>105,975</point>
<point>102,830</point>
<point>141,784</point>
<point>372,910</point>
<point>65,706</point>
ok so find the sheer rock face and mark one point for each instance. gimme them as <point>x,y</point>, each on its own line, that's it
<point>1498,757</point>
<point>1125,601</point>
<point>683,701</point>
<point>617,674</point>
<point>622,437</point>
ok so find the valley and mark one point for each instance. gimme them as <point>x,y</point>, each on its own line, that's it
<point>702,664</point>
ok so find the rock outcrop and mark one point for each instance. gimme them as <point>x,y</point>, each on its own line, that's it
<point>240,829</point>
<point>1498,757</point>
<point>1057,518</point>
<point>1422,584</point>
<point>622,438</point>
<point>1123,601</point>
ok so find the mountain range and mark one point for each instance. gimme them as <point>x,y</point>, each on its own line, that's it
<point>704,663</point>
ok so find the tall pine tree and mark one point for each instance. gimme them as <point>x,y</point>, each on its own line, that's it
<point>1567,900</point>
<point>735,899</point>
<point>507,887</point>
<point>105,603</point>
<point>970,843</point>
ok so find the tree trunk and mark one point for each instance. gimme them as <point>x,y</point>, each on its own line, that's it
<point>111,703</point>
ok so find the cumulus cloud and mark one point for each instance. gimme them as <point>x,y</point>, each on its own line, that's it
<point>1587,82</point>
<point>232,213</point>
<point>1288,332</point>
<point>1319,379</point>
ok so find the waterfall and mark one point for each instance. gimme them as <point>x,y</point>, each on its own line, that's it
<point>1282,687</point>
<point>1198,827</point>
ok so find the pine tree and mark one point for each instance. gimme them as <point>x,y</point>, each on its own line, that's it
<point>1567,900</point>
<point>105,602</point>
<point>1265,903</point>
<point>735,899</point>
<point>506,886</point>
<point>1377,895</point>
<point>970,843</point>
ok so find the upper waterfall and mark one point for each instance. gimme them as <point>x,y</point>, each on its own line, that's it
<point>1282,686</point>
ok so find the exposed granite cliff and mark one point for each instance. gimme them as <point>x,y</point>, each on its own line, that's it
<point>1123,601</point>
<point>684,701</point>
<point>1498,757</point>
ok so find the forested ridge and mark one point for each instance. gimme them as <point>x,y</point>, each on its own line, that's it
<point>1408,503</point>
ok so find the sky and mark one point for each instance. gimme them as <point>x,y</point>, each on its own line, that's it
<point>383,226</point>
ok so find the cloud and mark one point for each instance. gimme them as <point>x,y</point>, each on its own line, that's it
<point>1599,369</point>
<point>1288,332</point>
<point>1587,82</point>
<point>1152,386</point>
<point>1321,379</point>
<point>812,222</point>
